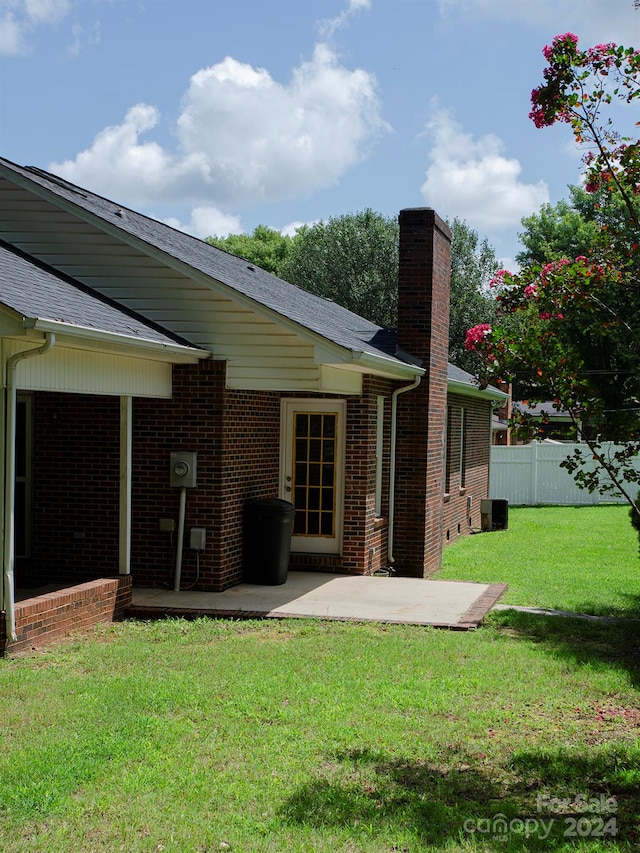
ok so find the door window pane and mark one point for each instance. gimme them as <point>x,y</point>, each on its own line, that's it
<point>314,489</point>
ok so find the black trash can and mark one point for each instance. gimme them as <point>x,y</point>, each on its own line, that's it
<point>267,540</point>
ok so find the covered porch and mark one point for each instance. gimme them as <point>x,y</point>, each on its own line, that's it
<point>66,427</point>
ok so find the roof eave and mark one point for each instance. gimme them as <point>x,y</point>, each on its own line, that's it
<point>455,386</point>
<point>166,351</point>
<point>346,354</point>
<point>386,366</point>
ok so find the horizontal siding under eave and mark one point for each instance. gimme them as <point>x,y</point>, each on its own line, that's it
<point>85,372</point>
<point>247,370</point>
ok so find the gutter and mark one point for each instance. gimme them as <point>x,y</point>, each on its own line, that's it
<point>8,556</point>
<point>390,366</point>
<point>117,338</point>
<point>455,386</point>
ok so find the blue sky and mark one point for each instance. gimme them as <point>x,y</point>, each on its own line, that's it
<point>219,115</point>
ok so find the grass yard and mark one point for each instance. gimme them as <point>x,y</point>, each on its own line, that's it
<point>300,736</point>
<point>579,559</point>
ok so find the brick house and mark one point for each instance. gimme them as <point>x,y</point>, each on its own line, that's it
<point>125,341</point>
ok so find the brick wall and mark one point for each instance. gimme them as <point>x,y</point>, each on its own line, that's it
<point>365,535</point>
<point>236,436</point>
<point>43,620</point>
<point>423,331</point>
<point>468,459</point>
<point>76,453</point>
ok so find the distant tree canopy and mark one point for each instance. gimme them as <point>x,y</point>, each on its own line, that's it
<point>353,260</point>
<point>473,265</point>
<point>558,231</point>
<point>266,247</point>
<point>571,228</point>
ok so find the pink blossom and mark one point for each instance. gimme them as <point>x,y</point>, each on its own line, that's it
<point>537,116</point>
<point>548,50</point>
<point>498,278</point>
<point>476,336</point>
<point>600,53</point>
<point>566,37</point>
<point>531,290</point>
<point>553,266</point>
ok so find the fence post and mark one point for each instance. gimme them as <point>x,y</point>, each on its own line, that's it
<point>534,472</point>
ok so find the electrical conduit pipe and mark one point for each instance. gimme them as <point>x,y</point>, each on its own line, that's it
<point>181,514</point>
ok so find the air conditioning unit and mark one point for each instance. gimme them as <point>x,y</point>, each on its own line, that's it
<point>494,514</point>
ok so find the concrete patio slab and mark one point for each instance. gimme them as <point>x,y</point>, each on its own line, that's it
<point>457,605</point>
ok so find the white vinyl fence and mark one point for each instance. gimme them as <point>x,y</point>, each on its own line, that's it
<point>530,474</point>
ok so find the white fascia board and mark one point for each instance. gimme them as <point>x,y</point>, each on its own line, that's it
<point>362,362</point>
<point>388,367</point>
<point>175,353</point>
<point>454,386</point>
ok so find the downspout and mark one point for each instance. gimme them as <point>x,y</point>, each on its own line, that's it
<point>392,463</point>
<point>9,482</point>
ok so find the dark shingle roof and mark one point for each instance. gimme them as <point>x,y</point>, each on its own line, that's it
<point>322,316</point>
<point>36,291</point>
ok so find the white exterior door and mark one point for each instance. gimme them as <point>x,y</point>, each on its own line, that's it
<point>312,472</point>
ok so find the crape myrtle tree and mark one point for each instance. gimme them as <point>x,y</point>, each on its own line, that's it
<point>353,260</point>
<point>568,327</point>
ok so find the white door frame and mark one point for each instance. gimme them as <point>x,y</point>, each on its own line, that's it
<point>315,544</point>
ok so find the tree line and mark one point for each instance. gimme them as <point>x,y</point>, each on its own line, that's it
<point>352,259</point>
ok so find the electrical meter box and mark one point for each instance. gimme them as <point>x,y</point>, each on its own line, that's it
<point>182,470</point>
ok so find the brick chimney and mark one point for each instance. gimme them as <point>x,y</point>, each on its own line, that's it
<point>423,332</point>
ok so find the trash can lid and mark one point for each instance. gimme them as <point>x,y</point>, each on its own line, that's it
<point>272,503</point>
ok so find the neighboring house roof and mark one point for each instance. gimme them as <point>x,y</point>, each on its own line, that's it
<point>539,410</point>
<point>42,296</point>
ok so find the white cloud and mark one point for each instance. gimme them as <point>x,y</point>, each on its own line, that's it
<point>83,38</point>
<point>329,27</point>
<point>12,41</point>
<point>291,229</point>
<point>46,11</point>
<point>21,17</point>
<point>118,164</point>
<point>208,222</point>
<point>591,20</point>
<point>263,140</point>
<point>474,180</point>
<point>243,136</point>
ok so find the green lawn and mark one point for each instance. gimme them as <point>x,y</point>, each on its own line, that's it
<point>580,559</point>
<point>308,737</point>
